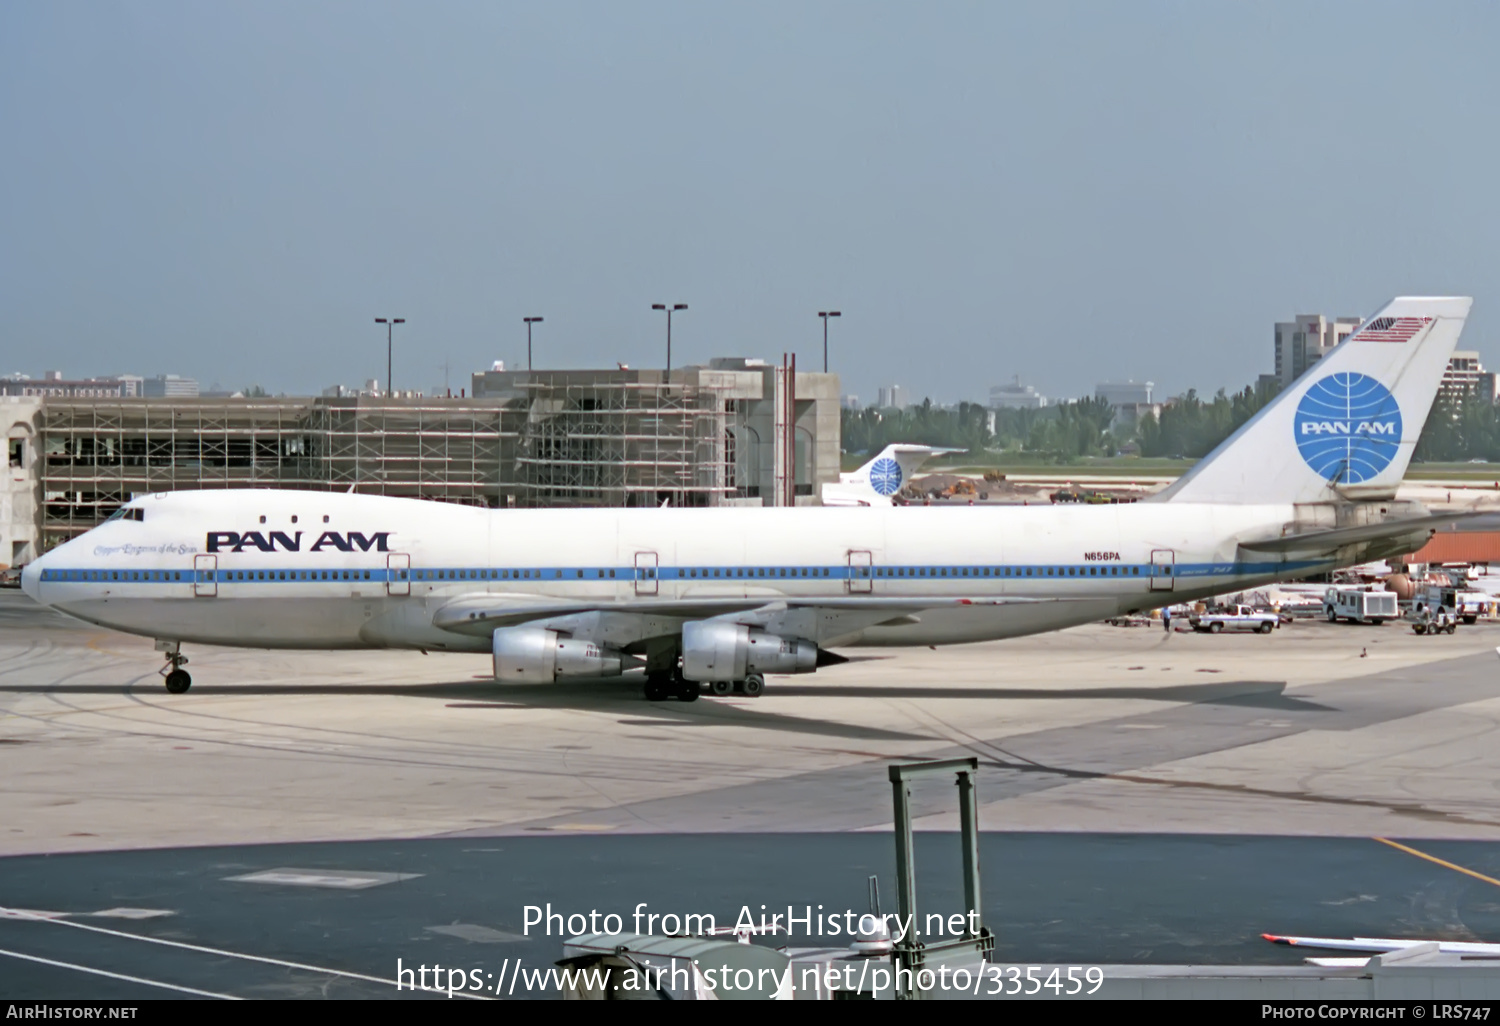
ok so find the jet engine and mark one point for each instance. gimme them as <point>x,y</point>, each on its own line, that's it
<point>718,650</point>
<point>534,655</point>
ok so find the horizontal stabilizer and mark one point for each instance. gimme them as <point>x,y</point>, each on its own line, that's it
<point>1322,542</point>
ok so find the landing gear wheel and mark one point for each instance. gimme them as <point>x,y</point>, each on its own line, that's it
<point>658,689</point>
<point>178,681</point>
<point>1215,628</point>
<point>753,685</point>
<point>687,690</point>
<point>722,687</point>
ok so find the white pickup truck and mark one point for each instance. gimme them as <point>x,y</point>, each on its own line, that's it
<point>1234,618</point>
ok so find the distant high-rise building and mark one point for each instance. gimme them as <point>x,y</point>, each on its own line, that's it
<point>169,386</point>
<point>1130,401</point>
<point>850,403</point>
<point>1303,342</point>
<point>1016,396</point>
<point>1125,393</point>
<point>1466,377</point>
<point>893,397</point>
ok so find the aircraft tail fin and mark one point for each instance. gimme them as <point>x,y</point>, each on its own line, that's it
<point>874,483</point>
<point>1345,429</point>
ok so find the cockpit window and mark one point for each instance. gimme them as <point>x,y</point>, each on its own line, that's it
<point>127,513</point>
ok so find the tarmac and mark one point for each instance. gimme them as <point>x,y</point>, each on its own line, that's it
<point>1145,797</point>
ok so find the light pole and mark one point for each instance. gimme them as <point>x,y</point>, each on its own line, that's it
<point>389,324</point>
<point>529,322</point>
<point>825,314</point>
<point>669,310</point>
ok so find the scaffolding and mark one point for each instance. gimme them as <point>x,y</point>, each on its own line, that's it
<point>420,448</point>
<point>576,438</point>
<point>617,440</point>
<point>98,453</point>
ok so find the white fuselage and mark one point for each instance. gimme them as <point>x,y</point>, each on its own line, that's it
<point>287,569</point>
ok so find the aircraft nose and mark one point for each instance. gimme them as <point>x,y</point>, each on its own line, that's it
<point>31,578</point>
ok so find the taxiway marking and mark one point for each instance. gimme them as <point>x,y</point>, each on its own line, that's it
<point>220,951</point>
<point>117,976</point>
<point>1442,862</point>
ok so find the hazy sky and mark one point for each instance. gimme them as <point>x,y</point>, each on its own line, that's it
<point>1071,192</point>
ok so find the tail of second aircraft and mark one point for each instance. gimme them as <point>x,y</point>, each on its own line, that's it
<point>874,483</point>
<point>1345,429</point>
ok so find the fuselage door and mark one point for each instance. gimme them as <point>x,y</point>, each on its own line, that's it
<point>398,574</point>
<point>861,577</point>
<point>645,573</point>
<point>205,576</point>
<point>1163,570</point>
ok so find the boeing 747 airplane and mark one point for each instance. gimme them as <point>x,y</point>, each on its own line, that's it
<point>722,597</point>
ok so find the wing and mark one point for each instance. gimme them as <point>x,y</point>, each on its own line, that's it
<point>637,619</point>
<point>1380,945</point>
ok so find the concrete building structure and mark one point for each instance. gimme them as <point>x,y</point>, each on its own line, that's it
<point>893,397</point>
<point>628,437</point>
<point>1125,393</point>
<point>1016,396</point>
<point>169,386</point>
<point>52,383</point>
<point>1130,401</point>
<point>739,432</point>
<point>1302,342</point>
<point>20,528</point>
<point>1466,378</point>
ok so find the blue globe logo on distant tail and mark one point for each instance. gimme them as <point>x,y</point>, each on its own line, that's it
<point>1348,427</point>
<point>885,476</point>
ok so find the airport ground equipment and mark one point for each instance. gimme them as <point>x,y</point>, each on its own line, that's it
<point>1234,618</point>
<point>1359,605</point>
<point>910,953</point>
<point>1432,622</point>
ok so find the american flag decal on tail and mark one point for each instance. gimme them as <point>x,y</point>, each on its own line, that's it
<point>1392,329</point>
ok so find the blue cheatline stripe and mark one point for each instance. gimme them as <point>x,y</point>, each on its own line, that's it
<point>878,572</point>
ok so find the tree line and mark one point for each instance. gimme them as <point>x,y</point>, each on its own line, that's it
<point>1188,427</point>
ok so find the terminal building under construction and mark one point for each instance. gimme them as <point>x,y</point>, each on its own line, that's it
<point>737,432</point>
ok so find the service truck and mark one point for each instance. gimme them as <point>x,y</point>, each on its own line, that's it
<point>1359,605</point>
<point>1234,618</point>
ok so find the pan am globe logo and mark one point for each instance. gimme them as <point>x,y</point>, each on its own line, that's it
<point>1348,427</point>
<point>885,476</point>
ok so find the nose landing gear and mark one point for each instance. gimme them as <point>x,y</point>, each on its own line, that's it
<point>177,678</point>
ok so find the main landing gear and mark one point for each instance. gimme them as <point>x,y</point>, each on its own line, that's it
<point>177,678</point>
<point>662,686</point>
